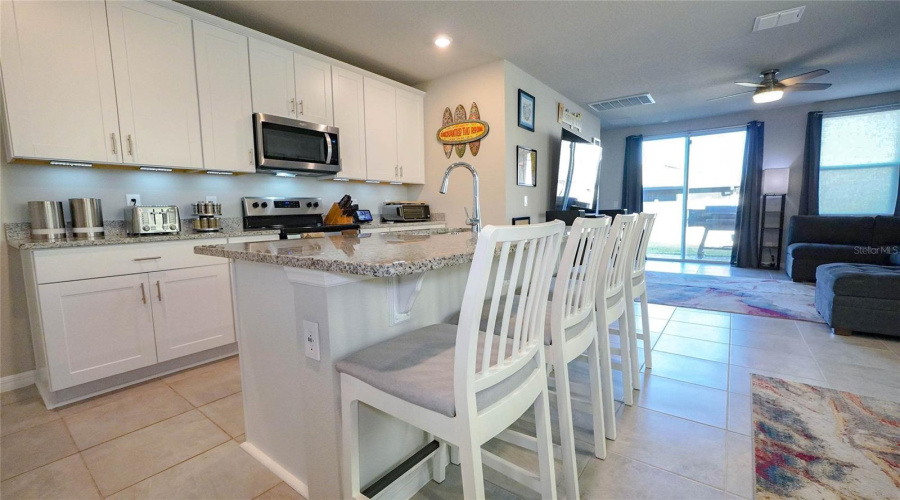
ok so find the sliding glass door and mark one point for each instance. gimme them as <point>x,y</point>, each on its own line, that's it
<point>693,183</point>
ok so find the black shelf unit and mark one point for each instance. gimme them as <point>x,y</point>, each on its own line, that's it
<point>771,231</point>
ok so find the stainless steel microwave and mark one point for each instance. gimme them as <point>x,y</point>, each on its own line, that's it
<point>296,147</point>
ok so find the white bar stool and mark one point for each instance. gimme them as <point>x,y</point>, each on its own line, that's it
<point>611,307</point>
<point>457,383</point>
<point>636,287</point>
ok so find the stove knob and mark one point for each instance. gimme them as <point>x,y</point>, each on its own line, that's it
<point>265,204</point>
<point>255,205</point>
<point>146,228</point>
<point>309,204</point>
<point>316,204</point>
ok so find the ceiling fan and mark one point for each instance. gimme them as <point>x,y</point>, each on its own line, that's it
<point>771,89</point>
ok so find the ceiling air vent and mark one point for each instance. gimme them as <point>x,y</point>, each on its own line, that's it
<point>622,102</point>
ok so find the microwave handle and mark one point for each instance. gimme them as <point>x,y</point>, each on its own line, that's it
<point>328,143</point>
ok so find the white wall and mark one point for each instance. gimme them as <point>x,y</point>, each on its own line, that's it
<point>785,139</point>
<point>545,140</point>
<point>484,86</point>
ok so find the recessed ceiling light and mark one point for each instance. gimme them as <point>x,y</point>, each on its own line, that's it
<point>442,41</point>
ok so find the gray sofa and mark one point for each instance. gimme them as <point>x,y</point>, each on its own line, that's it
<point>859,297</point>
<point>814,240</point>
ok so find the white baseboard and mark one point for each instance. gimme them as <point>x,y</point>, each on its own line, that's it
<point>291,480</point>
<point>17,381</point>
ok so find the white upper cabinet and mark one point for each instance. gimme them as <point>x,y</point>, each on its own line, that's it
<point>58,81</point>
<point>313,84</point>
<point>395,141</point>
<point>272,79</point>
<point>350,119</point>
<point>410,137</point>
<point>156,85</point>
<point>381,131</point>
<point>223,84</point>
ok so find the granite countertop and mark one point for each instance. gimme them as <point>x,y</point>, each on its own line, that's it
<point>378,255</point>
<point>18,235</point>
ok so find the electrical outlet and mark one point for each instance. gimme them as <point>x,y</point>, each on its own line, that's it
<point>311,339</point>
<point>212,199</point>
<point>132,199</point>
<point>526,200</point>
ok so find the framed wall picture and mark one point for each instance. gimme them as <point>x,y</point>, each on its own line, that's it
<point>526,110</point>
<point>526,167</point>
<point>521,221</point>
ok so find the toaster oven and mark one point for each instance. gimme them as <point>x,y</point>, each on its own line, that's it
<point>405,211</point>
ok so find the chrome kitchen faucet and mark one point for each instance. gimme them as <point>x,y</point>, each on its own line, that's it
<point>475,219</point>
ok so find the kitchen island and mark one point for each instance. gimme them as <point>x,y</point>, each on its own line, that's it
<point>303,305</point>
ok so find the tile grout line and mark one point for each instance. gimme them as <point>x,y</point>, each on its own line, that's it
<point>167,468</point>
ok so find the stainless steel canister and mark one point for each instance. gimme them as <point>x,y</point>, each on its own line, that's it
<point>87,218</point>
<point>47,220</point>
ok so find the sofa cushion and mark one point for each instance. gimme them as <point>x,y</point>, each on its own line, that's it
<point>859,280</point>
<point>836,230</point>
<point>835,253</point>
<point>887,231</point>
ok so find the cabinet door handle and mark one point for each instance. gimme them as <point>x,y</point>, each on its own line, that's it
<point>401,170</point>
<point>396,171</point>
<point>146,258</point>
<point>130,145</point>
<point>158,291</point>
<point>143,294</point>
<point>293,105</point>
<point>300,107</point>
<point>112,137</point>
<point>251,157</point>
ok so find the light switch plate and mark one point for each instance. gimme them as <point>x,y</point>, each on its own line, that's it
<point>311,340</point>
<point>135,197</point>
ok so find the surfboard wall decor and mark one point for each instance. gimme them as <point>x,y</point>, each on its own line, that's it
<point>458,129</point>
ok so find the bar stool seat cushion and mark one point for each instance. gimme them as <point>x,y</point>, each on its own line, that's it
<point>417,367</point>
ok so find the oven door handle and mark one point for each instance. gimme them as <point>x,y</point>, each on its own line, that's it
<point>328,143</point>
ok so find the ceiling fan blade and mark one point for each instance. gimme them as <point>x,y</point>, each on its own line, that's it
<point>732,95</point>
<point>803,77</point>
<point>809,86</point>
<point>749,84</point>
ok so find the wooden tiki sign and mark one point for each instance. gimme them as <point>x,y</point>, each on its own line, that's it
<point>457,130</point>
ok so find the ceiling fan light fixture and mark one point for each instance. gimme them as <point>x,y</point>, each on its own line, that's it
<point>768,94</point>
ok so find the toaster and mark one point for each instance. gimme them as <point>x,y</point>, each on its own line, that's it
<point>152,219</point>
<point>405,211</point>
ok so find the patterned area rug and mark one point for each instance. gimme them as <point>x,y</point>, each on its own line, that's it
<point>815,443</point>
<point>756,297</point>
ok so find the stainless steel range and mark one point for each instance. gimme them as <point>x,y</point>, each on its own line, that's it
<point>289,215</point>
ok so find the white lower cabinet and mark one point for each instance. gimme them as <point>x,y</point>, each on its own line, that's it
<point>192,310</point>
<point>100,327</point>
<point>96,328</point>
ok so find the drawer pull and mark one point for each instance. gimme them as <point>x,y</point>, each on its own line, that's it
<point>146,258</point>
<point>158,291</point>
<point>143,294</point>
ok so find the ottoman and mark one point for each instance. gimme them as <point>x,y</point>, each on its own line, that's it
<point>859,297</point>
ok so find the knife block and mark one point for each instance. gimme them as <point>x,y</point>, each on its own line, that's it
<point>336,216</point>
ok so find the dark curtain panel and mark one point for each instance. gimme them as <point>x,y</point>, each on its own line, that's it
<point>809,192</point>
<point>897,207</point>
<point>632,184</point>
<point>745,252</point>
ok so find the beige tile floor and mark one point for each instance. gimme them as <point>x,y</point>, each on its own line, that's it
<point>687,436</point>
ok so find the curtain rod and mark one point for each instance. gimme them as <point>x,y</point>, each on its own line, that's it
<point>895,105</point>
<point>699,131</point>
